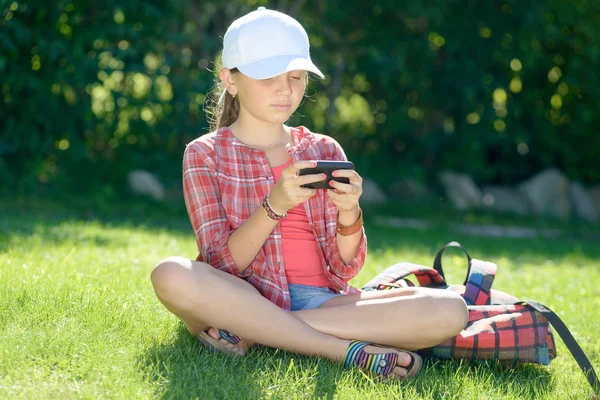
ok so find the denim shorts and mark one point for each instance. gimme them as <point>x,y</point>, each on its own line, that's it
<point>305,297</point>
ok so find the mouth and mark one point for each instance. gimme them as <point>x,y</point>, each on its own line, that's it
<point>282,107</point>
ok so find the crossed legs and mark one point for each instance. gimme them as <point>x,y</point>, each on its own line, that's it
<point>410,318</point>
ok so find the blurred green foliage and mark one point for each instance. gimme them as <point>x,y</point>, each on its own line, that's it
<point>495,89</point>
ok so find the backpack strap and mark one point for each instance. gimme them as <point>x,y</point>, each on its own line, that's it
<point>564,333</point>
<point>437,263</point>
<point>478,288</point>
<point>479,280</point>
<point>387,278</point>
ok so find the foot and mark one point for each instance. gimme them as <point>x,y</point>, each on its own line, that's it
<point>383,361</point>
<point>242,345</point>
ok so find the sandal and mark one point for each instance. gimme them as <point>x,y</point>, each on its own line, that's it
<point>380,364</point>
<point>218,346</point>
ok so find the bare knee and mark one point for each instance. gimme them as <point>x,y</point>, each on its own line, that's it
<point>453,313</point>
<point>176,283</point>
<point>446,313</point>
<point>171,275</point>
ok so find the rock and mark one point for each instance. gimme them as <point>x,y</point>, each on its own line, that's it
<point>505,199</point>
<point>411,223</point>
<point>410,189</point>
<point>506,231</point>
<point>460,190</point>
<point>594,193</point>
<point>372,194</point>
<point>548,194</point>
<point>583,205</point>
<point>144,183</point>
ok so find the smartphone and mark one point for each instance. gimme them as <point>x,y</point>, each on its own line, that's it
<point>326,167</point>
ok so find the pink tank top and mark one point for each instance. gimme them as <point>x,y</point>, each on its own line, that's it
<point>300,249</point>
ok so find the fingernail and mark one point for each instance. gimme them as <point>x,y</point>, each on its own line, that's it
<point>324,176</point>
<point>314,163</point>
<point>334,173</point>
<point>331,182</point>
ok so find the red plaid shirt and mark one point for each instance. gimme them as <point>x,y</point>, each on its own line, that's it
<point>224,181</point>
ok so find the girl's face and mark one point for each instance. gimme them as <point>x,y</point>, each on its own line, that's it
<point>271,100</point>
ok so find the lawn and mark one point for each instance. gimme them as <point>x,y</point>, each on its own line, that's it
<point>79,318</point>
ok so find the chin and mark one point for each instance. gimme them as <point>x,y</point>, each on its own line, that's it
<point>280,119</point>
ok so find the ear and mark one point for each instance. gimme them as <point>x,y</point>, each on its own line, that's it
<point>228,80</point>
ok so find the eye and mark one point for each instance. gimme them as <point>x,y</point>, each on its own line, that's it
<point>296,77</point>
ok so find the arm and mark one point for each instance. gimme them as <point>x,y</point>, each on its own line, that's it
<point>247,240</point>
<point>208,217</point>
<point>249,237</point>
<point>349,245</point>
<point>220,245</point>
<point>346,270</point>
<point>346,254</point>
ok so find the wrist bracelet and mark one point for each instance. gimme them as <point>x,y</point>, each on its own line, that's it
<point>274,215</point>
<point>352,229</point>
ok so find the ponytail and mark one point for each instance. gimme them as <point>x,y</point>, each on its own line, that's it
<point>221,113</point>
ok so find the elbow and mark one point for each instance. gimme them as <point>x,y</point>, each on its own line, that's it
<point>221,258</point>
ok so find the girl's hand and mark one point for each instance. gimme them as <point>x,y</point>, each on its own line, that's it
<point>346,195</point>
<point>287,192</point>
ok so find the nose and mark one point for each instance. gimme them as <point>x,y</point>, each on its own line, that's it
<point>283,84</point>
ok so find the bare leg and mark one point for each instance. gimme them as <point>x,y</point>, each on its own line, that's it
<point>409,318</point>
<point>199,295</point>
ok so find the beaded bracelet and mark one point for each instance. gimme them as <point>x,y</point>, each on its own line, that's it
<point>274,215</point>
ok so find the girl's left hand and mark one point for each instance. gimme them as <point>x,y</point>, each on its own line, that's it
<point>345,195</point>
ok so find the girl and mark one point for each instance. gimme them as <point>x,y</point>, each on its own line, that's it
<point>275,257</point>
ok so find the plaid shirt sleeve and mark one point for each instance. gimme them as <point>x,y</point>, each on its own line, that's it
<point>349,270</point>
<point>207,215</point>
<point>345,271</point>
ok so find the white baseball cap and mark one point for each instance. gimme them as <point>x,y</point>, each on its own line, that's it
<point>266,43</point>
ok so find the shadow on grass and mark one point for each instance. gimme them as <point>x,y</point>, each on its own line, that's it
<point>185,369</point>
<point>486,248</point>
<point>23,216</point>
<point>449,378</point>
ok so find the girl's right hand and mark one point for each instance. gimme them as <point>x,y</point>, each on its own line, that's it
<point>287,192</point>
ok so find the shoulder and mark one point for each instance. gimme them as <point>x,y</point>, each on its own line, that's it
<point>203,144</point>
<point>203,150</point>
<point>325,144</point>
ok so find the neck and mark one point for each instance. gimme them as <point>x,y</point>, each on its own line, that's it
<point>261,135</point>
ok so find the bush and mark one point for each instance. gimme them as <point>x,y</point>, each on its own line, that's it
<point>496,90</point>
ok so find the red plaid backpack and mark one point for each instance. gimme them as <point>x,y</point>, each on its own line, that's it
<point>500,326</point>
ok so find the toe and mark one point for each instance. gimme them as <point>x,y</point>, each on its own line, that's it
<point>404,360</point>
<point>400,372</point>
<point>214,333</point>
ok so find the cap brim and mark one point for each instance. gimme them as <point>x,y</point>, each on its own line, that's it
<point>273,66</point>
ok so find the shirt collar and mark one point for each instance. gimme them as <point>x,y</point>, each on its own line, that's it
<point>302,136</point>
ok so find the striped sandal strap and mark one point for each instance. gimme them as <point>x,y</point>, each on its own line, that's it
<point>233,339</point>
<point>380,364</point>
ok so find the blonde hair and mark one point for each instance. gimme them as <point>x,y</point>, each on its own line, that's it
<point>221,113</point>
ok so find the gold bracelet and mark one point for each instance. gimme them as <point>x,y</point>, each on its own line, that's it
<point>352,229</point>
<point>274,215</point>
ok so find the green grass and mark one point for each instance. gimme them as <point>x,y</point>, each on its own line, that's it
<point>79,318</point>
